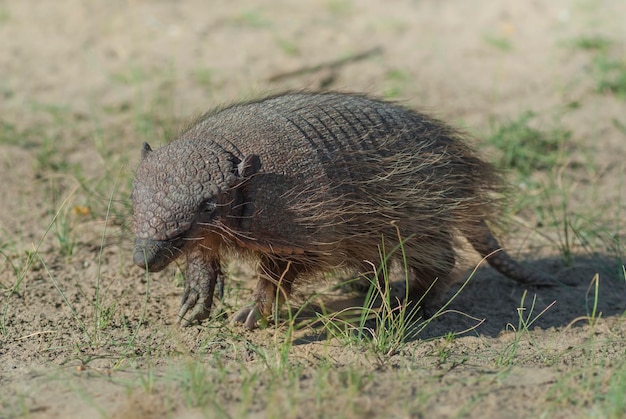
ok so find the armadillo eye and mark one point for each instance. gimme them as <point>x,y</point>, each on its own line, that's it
<point>207,206</point>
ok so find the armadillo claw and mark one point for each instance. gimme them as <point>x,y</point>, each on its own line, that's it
<point>248,315</point>
<point>194,307</point>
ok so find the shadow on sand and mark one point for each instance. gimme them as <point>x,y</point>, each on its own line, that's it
<point>490,302</point>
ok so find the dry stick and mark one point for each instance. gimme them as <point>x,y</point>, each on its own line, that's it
<point>330,65</point>
<point>37,334</point>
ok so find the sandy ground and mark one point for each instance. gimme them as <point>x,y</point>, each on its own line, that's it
<point>84,83</point>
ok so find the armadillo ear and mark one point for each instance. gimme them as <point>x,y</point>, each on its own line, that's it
<point>145,150</point>
<point>249,166</point>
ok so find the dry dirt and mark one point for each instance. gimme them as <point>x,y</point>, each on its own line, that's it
<point>86,334</point>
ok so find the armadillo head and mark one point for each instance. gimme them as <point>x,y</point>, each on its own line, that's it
<point>179,190</point>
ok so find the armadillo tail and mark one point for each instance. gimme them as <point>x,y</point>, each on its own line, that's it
<point>489,248</point>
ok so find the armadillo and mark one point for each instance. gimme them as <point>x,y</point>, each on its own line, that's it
<point>305,183</point>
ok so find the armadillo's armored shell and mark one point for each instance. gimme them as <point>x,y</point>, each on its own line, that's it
<point>338,168</point>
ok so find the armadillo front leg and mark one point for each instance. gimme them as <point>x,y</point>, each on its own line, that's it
<point>201,277</point>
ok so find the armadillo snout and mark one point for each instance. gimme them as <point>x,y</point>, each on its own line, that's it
<point>154,255</point>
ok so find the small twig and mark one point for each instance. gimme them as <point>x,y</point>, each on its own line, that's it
<point>37,333</point>
<point>329,65</point>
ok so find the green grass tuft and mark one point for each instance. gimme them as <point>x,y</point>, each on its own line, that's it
<point>524,148</point>
<point>591,43</point>
<point>610,75</point>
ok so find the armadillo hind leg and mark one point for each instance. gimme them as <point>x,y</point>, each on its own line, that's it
<point>489,248</point>
<point>431,280</point>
